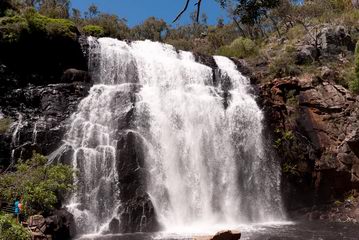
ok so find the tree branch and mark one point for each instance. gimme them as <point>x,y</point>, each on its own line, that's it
<point>198,9</point>
<point>184,9</point>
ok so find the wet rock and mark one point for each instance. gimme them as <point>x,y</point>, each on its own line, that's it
<point>114,226</point>
<point>137,211</point>
<point>227,235</point>
<point>206,60</point>
<point>73,75</point>
<point>41,115</point>
<point>61,225</point>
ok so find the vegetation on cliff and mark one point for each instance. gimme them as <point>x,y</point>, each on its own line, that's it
<point>93,30</point>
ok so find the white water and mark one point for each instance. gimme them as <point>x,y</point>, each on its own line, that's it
<point>207,164</point>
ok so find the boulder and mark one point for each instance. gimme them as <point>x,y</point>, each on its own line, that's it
<point>61,225</point>
<point>227,235</point>
<point>335,39</point>
<point>75,75</point>
<point>306,54</point>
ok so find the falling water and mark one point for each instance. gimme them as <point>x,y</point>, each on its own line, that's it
<point>206,159</point>
<point>15,139</point>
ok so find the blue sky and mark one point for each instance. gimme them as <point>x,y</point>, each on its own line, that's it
<point>136,11</point>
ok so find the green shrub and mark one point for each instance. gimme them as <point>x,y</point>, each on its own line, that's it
<point>181,44</point>
<point>290,168</point>
<point>284,64</point>
<point>11,230</point>
<point>93,30</point>
<point>40,188</point>
<point>240,48</point>
<point>50,26</point>
<point>5,124</point>
<point>296,32</point>
<point>12,28</point>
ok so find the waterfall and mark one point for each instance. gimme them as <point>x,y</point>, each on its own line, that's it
<point>204,153</point>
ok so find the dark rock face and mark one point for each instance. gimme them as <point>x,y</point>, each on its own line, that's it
<point>39,60</point>
<point>136,213</point>
<point>40,114</point>
<point>315,128</point>
<point>61,225</point>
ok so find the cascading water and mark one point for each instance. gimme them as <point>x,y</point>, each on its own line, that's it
<point>206,160</point>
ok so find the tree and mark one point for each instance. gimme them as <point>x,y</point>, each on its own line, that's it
<point>152,28</point>
<point>93,11</point>
<point>198,4</point>
<point>249,11</point>
<point>76,15</point>
<point>112,25</point>
<point>42,187</point>
<point>54,8</point>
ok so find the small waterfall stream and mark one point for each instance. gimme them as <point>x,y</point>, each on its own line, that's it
<point>206,160</point>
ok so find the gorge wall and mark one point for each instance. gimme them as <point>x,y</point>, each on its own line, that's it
<point>312,125</point>
<point>315,129</point>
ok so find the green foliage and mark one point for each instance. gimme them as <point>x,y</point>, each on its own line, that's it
<point>181,44</point>
<point>291,98</point>
<point>151,28</point>
<point>112,25</point>
<point>50,27</point>
<point>284,64</point>
<point>354,84</point>
<point>296,32</point>
<point>240,48</point>
<point>40,188</point>
<point>93,30</point>
<point>53,8</point>
<point>288,136</point>
<point>12,28</point>
<point>250,11</point>
<point>291,169</point>
<point>11,230</point>
<point>5,124</point>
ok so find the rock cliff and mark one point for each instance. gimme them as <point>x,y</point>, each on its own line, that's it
<point>315,127</point>
<point>313,124</point>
